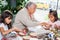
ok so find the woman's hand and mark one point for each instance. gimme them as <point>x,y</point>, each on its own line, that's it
<point>46,25</point>
<point>25,30</point>
<point>43,23</point>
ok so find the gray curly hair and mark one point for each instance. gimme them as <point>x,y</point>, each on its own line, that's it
<point>29,4</point>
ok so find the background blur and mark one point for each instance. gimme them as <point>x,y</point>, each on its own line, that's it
<point>41,13</point>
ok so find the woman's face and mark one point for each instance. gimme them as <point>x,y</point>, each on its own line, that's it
<point>32,9</point>
<point>51,17</point>
<point>8,20</point>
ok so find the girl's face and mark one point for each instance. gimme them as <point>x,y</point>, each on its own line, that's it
<point>51,17</point>
<point>8,20</point>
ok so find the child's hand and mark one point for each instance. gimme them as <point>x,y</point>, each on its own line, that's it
<point>57,27</point>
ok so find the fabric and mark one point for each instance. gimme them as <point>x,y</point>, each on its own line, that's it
<point>23,19</point>
<point>7,37</point>
<point>55,23</point>
<point>5,28</point>
<point>4,38</point>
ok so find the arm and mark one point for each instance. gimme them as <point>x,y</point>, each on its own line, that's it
<point>24,19</point>
<point>43,23</point>
<point>57,27</point>
<point>46,25</point>
<point>5,32</point>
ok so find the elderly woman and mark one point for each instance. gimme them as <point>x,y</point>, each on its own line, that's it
<point>24,17</point>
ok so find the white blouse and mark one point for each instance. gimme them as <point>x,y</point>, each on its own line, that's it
<point>5,28</point>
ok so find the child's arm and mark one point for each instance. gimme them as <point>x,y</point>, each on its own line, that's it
<point>7,31</point>
<point>57,27</point>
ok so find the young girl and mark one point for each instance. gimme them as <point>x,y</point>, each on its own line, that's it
<point>5,24</point>
<point>53,20</point>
